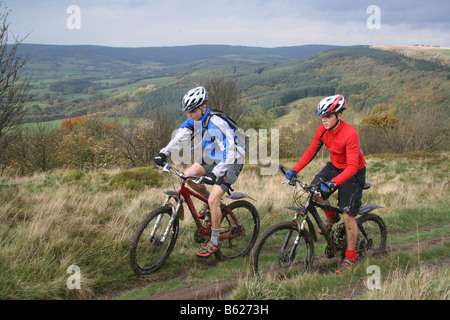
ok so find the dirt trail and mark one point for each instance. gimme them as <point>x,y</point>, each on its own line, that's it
<point>211,291</point>
<point>221,290</point>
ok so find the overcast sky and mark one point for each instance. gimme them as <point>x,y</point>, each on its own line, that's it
<point>262,23</point>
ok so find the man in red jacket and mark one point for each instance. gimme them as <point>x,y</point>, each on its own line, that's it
<point>345,172</point>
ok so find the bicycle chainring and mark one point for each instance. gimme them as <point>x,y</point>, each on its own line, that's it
<point>200,237</point>
<point>364,246</point>
<point>329,252</point>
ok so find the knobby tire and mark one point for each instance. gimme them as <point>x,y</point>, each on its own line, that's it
<point>141,248</point>
<point>306,245</point>
<point>241,245</point>
<point>382,233</point>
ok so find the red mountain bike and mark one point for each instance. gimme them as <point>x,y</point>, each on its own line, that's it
<point>155,237</point>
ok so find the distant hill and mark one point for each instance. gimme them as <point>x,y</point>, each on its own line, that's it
<point>167,55</point>
<point>116,62</point>
<point>374,81</point>
<point>369,78</point>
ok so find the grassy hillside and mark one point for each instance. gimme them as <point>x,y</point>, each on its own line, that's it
<point>50,221</point>
<point>440,55</point>
<point>368,77</point>
<point>83,210</point>
<point>398,104</point>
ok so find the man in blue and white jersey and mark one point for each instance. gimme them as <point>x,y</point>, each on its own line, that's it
<point>222,157</point>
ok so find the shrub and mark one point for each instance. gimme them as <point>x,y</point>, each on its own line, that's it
<point>136,179</point>
<point>73,175</point>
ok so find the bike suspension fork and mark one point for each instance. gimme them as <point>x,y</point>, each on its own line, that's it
<point>173,216</point>
<point>301,226</point>
<point>158,220</point>
<point>296,241</point>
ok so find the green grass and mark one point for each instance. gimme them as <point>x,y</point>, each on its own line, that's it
<point>444,51</point>
<point>136,179</point>
<point>157,82</point>
<point>330,286</point>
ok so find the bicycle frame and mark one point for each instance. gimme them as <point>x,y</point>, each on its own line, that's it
<point>310,207</point>
<point>186,194</point>
<point>276,249</point>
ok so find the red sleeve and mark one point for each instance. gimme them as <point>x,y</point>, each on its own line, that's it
<point>352,151</point>
<point>312,150</point>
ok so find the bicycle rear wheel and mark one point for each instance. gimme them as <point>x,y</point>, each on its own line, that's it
<point>283,249</point>
<point>372,234</point>
<point>238,231</point>
<point>153,241</point>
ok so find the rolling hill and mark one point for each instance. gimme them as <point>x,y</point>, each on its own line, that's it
<point>373,80</point>
<point>368,77</point>
<point>67,81</point>
<point>60,207</point>
<point>115,62</point>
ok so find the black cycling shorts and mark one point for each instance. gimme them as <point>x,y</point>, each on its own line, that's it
<point>349,193</point>
<point>230,176</point>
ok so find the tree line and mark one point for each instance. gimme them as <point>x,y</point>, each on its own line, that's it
<point>86,143</point>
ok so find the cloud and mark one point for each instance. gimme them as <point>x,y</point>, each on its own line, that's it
<point>414,13</point>
<point>266,23</point>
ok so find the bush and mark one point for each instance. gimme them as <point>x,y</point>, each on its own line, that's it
<point>136,179</point>
<point>73,175</point>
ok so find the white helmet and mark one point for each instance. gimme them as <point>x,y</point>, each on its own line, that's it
<point>331,105</point>
<point>194,99</point>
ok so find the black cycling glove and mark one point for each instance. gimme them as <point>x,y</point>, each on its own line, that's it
<point>160,159</point>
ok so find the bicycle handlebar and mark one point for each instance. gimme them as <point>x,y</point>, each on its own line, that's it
<point>167,168</point>
<point>294,181</point>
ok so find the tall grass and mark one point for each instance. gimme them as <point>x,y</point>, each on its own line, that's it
<point>403,277</point>
<point>50,221</point>
<point>423,283</point>
<point>48,225</point>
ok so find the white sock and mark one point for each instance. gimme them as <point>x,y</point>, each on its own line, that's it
<point>215,233</point>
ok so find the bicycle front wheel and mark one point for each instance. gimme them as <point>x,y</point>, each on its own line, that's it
<point>153,241</point>
<point>283,249</point>
<point>238,231</point>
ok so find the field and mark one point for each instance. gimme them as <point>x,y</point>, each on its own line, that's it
<point>436,54</point>
<point>50,221</point>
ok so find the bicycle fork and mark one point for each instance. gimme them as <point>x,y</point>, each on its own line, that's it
<point>293,249</point>
<point>173,216</point>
